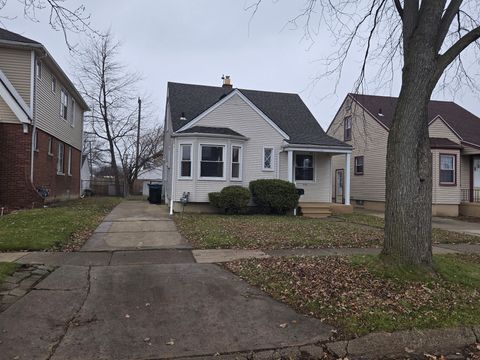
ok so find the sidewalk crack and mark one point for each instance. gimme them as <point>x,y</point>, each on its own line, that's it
<point>68,323</point>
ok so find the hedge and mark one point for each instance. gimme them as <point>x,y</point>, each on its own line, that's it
<point>274,196</point>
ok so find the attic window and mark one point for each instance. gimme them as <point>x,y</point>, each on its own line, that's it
<point>380,113</point>
<point>182,117</point>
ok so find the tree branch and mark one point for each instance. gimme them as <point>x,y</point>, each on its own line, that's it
<point>451,54</point>
<point>452,9</point>
<point>398,5</point>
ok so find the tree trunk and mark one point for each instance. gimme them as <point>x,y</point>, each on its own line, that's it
<point>408,212</point>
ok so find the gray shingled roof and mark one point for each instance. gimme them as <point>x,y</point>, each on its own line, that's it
<point>6,35</point>
<point>287,111</point>
<point>210,130</point>
<point>463,122</point>
<point>443,143</point>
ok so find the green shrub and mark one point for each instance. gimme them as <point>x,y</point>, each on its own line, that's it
<point>274,196</point>
<point>232,199</point>
<point>215,199</point>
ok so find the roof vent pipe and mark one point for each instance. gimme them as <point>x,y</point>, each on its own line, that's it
<point>380,113</point>
<point>183,116</point>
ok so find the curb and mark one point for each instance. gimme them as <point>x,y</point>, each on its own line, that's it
<point>406,343</point>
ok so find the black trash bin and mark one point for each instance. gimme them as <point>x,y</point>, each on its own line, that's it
<point>155,193</point>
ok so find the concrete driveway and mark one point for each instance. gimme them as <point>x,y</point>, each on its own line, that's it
<point>154,302</point>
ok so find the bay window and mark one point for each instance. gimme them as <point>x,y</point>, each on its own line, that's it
<point>304,167</point>
<point>448,169</point>
<point>236,163</point>
<point>185,160</point>
<point>212,161</point>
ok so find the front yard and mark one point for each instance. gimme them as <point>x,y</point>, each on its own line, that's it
<point>283,232</point>
<point>361,295</point>
<point>63,226</point>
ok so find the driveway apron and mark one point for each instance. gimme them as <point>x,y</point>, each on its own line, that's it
<point>150,301</point>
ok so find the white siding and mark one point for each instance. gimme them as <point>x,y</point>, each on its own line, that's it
<point>465,172</point>
<point>237,115</point>
<point>369,139</point>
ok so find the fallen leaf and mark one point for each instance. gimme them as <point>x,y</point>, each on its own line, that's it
<point>127,316</point>
<point>283,326</point>
<point>171,342</point>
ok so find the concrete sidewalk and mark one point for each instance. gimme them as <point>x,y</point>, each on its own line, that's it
<point>141,295</point>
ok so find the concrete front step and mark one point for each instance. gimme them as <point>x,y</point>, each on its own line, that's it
<point>315,210</point>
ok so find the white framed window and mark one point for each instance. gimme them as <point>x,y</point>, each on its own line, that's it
<point>347,128</point>
<point>268,161</point>
<point>212,162</point>
<point>448,165</point>
<point>72,117</point>
<point>304,169</point>
<point>50,146</point>
<point>60,158</point>
<point>185,161</point>
<point>69,161</point>
<point>35,140</point>
<point>54,84</point>
<point>237,160</point>
<point>63,104</point>
<point>38,69</point>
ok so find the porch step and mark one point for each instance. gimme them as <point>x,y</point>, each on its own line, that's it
<point>315,210</point>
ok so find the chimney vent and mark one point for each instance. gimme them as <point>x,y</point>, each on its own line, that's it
<point>227,82</point>
<point>182,117</point>
<point>380,113</point>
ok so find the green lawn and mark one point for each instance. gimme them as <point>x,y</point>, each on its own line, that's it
<point>360,295</point>
<point>439,236</point>
<point>273,232</point>
<point>7,268</point>
<point>64,225</point>
<point>283,232</point>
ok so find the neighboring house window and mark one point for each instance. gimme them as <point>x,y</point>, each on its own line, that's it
<point>64,104</point>
<point>304,167</point>
<point>448,169</point>
<point>72,118</point>
<point>69,163</point>
<point>50,146</point>
<point>35,141</point>
<point>268,164</point>
<point>358,164</point>
<point>60,158</point>
<point>236,162</point>
<point>39,69</point>
<point>211,162</point>
<point>54,84</point>
<point>347,128</point>
<point>186,160</point>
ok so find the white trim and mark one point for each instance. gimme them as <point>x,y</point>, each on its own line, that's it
<point>346,190</point>
<point>13,100</point>
<point>39,65</point>
<point>224,153</point>
<point>72,118</point>
<point>221,136</point>
<point>53,84</point>
<point>32,82</point>
<point>290,165</point>
<point>62,109</point>
<point>225,99</point>
<point>314,180</point>
<point>272,158</point>
<point>69,161</point>
<point>240,162</point>
<point>180,177</point>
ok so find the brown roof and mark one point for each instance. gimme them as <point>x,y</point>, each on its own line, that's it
<point>444,143</point>
<point>460,120</point>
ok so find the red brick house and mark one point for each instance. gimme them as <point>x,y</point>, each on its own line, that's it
<point>41,126</point>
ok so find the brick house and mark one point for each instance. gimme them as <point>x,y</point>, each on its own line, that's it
<point>41,126</point>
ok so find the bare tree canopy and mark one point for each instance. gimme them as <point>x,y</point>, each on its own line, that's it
<point>61,17</point>
<point>426,39</point>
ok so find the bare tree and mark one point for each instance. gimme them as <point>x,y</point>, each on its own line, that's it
<point>427,38</point>
<point>149,155</point>
<point>111,90</point>
<point>60,16</point>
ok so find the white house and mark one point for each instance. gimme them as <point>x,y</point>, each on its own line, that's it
<point>216,136</point>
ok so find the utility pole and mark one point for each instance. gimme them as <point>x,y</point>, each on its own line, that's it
<point>138,136</point>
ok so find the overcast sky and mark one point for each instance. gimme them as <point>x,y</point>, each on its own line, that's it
<point>196,41</point>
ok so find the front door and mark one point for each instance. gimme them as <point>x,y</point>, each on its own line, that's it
<point>339,186</point>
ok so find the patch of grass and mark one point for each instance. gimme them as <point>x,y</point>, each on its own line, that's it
<point>439,236</point>
<point>273,232</point>
<point>362,294</point>
<point>63,225</point>
<point>7,268</point>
